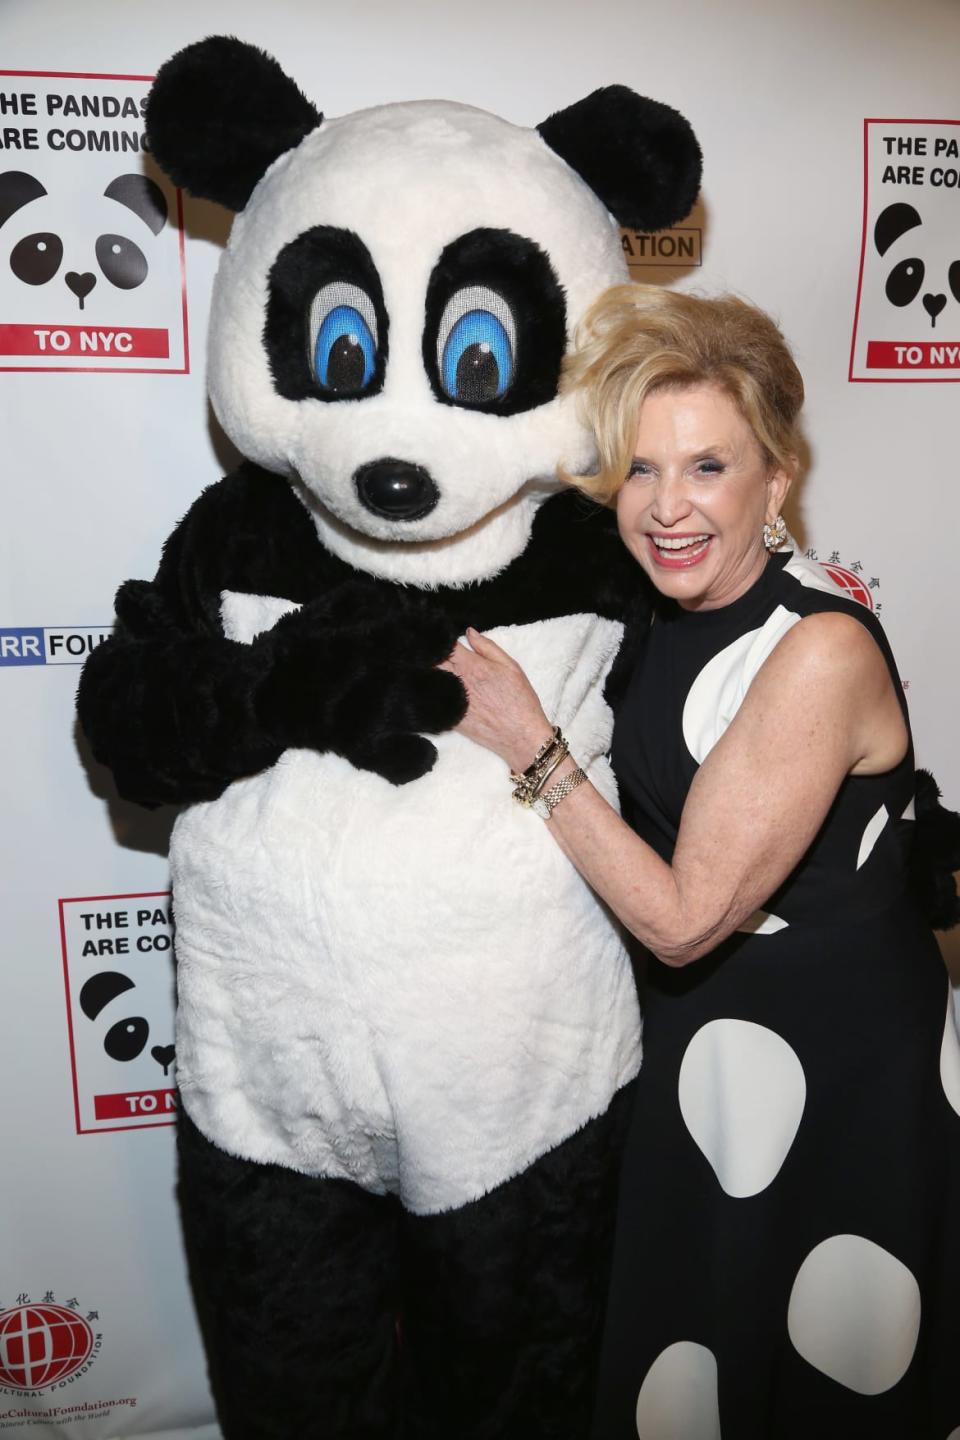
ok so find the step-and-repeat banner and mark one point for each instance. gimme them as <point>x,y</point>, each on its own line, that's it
<point>831,138</point>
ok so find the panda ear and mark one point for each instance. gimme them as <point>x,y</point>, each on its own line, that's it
<point>219,113</point>
<point>141,195</point>
<point>17,188</point>
<point>893,222</point>
<point>100,989</point>
<point>639,157</point>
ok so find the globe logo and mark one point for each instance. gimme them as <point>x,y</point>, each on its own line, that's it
<point>41,1344</point>
<point>849,582</point>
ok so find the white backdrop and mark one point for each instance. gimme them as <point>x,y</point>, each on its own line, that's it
<point>97,467</point>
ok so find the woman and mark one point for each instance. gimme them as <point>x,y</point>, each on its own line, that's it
<point>783,1259</point>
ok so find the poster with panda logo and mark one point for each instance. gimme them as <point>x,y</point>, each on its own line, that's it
<point>91,235</point>
<point>907,320</point>
<point>119,994</point>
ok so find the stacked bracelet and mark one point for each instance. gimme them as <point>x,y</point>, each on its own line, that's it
<point>531,781</point>
<point>530,784</point>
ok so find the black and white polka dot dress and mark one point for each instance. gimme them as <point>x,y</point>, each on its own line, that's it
<point>787,1260</point>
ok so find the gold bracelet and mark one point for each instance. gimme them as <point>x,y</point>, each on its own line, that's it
<point>555,758</point>
<point>529,783</point>
<point>527,790</point>
<point>544,751</point>
<point>543,754</point>
<point>544,805</point>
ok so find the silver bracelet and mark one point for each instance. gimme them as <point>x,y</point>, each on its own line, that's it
<point>544,805</point>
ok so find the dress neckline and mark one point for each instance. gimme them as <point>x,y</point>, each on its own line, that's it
<point>725,614</point>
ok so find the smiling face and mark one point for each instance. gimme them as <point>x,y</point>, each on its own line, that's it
<point>698,493</point>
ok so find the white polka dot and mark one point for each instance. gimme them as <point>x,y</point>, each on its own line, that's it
<point>761,922</point>
<point>950,1055</point>
<point>954,1433</point>
<point>854,1314</point>
<point>872,834</point>
<point>678,1398</point>
<point>742,1092</point>
<point>717,693</point>
<point>812,574</point>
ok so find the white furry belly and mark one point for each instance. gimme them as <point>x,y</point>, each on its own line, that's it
<point>409,987</point>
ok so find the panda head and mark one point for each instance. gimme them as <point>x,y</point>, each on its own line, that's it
<point>918,269</point>
<point>392,309</point>
<point>80,251</point>
<point>104,999</point>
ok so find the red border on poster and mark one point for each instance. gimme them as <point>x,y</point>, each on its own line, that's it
<point>85,900</point>
<point>885,379</point>
<point>111,369</point>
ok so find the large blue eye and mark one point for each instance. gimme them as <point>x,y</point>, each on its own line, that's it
<point>343,339</point>
<point>476,346</point>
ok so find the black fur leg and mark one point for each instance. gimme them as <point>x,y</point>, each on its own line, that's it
<point>503,1299</point>
<point>295,1283</point>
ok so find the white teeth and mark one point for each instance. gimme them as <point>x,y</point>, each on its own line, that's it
<point>684,543</point>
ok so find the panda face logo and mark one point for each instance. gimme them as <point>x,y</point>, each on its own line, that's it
<point>115,257</point>
<point>388,327</point>
<point>898,237</point>
<point>125,1033</point>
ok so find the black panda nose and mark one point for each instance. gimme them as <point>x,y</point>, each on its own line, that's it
<point>933,304</point>
<point>396,489</point>
<point>81,285</point>
<point>164,1055</point>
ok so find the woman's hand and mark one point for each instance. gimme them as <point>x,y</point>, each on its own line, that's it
<point>503,714</point>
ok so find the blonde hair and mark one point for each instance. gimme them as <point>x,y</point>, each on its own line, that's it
<point>639,338</point>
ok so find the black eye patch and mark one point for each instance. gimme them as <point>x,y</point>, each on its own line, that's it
<point>904,281</point>
<point>495,327</point>
<point>326,326</point>
<point>36,259</point>
<point>123,262</point>
<point>125,1040</point>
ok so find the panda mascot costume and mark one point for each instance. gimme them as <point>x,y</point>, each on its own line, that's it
<point>406,1028</point>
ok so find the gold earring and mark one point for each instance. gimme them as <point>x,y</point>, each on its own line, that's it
<point>775,534</point>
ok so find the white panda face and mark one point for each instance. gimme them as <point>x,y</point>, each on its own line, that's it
<point>105,1000</point>
<point>89,260</point>
<point>388,324</point>
<point>921,268</point>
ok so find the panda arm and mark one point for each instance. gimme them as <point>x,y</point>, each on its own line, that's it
<point>577,562</point>
<point>167,702</point>
<point>177,711</point>
<point>171,713</point>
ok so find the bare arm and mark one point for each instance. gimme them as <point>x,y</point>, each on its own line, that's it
<point>822,707</point>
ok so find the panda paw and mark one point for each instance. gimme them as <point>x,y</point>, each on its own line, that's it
<point>332,686</point>
<point>429,700</point>
<point>398,758</point>
<point>378,719</point>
